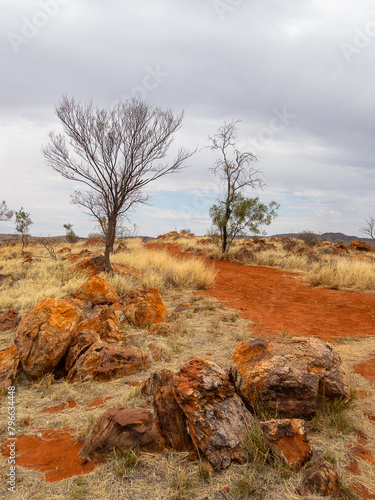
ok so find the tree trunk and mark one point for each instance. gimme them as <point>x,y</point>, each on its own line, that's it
<point>109,242</point>
<point>225,237</point>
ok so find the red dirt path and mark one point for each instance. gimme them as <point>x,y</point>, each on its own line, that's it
<point>275,301</point>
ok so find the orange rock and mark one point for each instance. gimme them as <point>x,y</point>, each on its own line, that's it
<point>360,246</point>
<point>144,307</point>
<point>288,440</point>
<point>124,429</point>
<point>97,322</point>
<point>44,335</point>
<point>95,241</point>
<point>288,376</point>
<point>218,419</point>
<point>322,479</point>
<point>104,361</point>
<point>8,320</point>
<point>98,291</point>
<point>90,266</point>
<point>9,361</point>
<point>125,270</point>
<point>81,342</point>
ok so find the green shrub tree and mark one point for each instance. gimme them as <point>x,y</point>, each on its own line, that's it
<point>23,222</point>
<point>70,234</point>
<point>236,170</point>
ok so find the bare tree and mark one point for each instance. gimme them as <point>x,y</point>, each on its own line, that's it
<point>5,213</point>
<point>235,170</point>
<point>115,152</point>
<point>369,229</point>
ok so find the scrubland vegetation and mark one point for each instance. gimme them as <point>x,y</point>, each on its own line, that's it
<point>323,264</point>
<point>205,329</point>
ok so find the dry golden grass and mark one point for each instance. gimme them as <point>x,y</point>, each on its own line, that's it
<point>44,277</point>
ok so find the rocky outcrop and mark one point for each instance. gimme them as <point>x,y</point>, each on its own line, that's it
<point>9,320</point>
<point>217,418</point>
<point>322,479</point>
<point>156,380</point>
<point>80,344</point>
<point>9,361</point>
<point>124,429</point>
<point>288,440</point>
<point>44,335</point>
<point>142,308</point>
<point>104,361</point>
<point>171,419</point>
<point>90,266</point>
<point>288,376</point>
<point>98,291</point>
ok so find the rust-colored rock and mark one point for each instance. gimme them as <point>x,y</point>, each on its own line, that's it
<point>158,352</point>
<point>144,307</point>
<point>288,439</point>
<point>156,380</point>
<point>90,266</point>
<point>80,344</point>
<point>97,321</point>
<point>244,254</point>
<point>98,291</point>
<point>9,320</point>
<point>9,361</point>
<point>124,429</point>
<point>95,241</point>
<point>360,246</point>
<point>44,335</point>
<point>322,479</point>
<point>172,420</point>
<point>104,361</point>
<point>217,418</point>
<point>111,332</point>
<point>162,329</point>
<point>288,376</point>
<point>122,247</point>
<point>125,270</point>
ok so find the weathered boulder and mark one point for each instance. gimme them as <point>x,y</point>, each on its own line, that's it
<point>98,291</point>
<point>180,308</point>
<point>104,361</point>
<point>158,352</point>
<point>98,319</point>
<point>322,479</point>
<point>9,361</point>
<point>80,344</point>
<point>288,376</point>
<point>9,320</point>
<point>124,429</point>
<point>91,266</point>
<point>44,335</point>
<point>172,420</point>
<point>144,307</point>
<point>111,332</point>
<point>164,378</point>
<point>217,418</point>
<point>288,440</point>
<point>360,246</point>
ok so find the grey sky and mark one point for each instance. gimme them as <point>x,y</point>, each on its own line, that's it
<point>298,74</point>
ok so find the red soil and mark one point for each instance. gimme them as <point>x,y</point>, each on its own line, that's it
<point>53,452</point>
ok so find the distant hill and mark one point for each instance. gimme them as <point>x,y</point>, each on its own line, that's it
<point>332,237</point>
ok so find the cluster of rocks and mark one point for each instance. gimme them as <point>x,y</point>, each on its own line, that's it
<point>53,336</point>
<point>206,408</point>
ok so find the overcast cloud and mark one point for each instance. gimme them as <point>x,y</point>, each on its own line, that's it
<point>298,74</point>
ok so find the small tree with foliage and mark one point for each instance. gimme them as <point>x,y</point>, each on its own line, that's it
<point>23,222</point>
<point>70,234</point>
<point>236,171</point>
<point>5,213</point>
<point>309,238</point>
<point>247,215</point>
